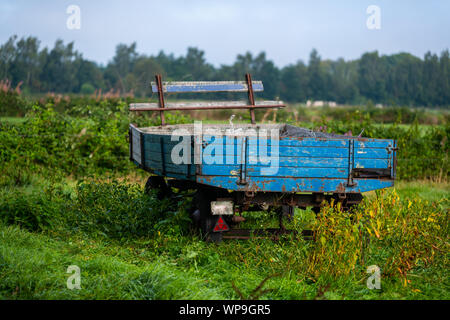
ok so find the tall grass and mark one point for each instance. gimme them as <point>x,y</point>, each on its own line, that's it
<point>131,245</point>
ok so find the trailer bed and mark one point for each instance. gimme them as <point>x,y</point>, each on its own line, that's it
<point>308,161</point>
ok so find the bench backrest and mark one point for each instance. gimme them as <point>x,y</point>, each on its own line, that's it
<point>248,86</point>
<point>207,86</point>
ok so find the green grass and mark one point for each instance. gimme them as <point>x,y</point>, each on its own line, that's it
<point>33,266</point>
<point>181,266</point>
<point>431,191</point>
<point>12,120</point>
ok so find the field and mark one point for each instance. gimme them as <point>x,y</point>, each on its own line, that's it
<point>70,196</point>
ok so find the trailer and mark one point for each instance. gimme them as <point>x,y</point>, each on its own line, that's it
<point>243,167</point>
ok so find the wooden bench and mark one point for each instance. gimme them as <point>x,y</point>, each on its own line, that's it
<point>248,86</point>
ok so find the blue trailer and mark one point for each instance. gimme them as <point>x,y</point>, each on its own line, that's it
<point>237,168</point>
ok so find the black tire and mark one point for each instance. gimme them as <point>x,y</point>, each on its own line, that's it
<point>158,183</point>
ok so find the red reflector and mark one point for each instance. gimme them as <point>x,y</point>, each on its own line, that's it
<point>221,225</point>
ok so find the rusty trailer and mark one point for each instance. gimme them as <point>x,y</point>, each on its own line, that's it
<point>236,168</point>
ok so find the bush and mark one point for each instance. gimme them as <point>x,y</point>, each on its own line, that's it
<point>11,102</point>
<point>109,210</point>
<point>87,88</point>
<point>93,142</point>
<point>422,153</point>
<point>122,211</point>
<point>35,211</point>
<point>396,234</point>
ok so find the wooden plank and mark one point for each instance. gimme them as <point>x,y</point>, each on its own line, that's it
<point>293,156</point>
<point>288,161</point>
<point>301,162</point>
<point>309,152</point>
<point>371,163</point>
<point>292,142</point>
<point>136,141</point>
<point>288,141</point>
<point>207,86</point>
<point>283,151</point>
<point>169,167</point>
<point>299,172</point>
<point>207,108</point>
<point>174,175</point>
<point>256,171</point>
<point>300,152</point>
<point>371,153</point>
<point>263,141</point>
<point>204,105</point>
<point>280,184</point>
<point>374,143</point>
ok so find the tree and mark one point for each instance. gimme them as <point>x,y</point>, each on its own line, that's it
<point>25,66</point>
<point>316,77</point>
<point>121,65</point>
<point>260,68</point>
<point>430,79</point>
<point>89,72</point>
<point>145,69</point>
<point>195,65</point>
<point>7,55</point>
<point>60,65</point>
<point>294,83</point>
<point>372,76</point>
<point>401,79</point>
<point>444,78</point>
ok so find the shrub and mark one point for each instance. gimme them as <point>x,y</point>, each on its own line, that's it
<point>87,88</point>
<point>11,102</point>
<point>395,234</point>
<point>33,211</point>
<point>122,211</point>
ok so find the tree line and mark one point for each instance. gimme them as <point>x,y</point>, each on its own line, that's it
<point>397,79</point>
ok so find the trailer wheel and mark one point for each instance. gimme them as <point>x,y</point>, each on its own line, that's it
<point>201,214</point>
<point>158,183</point>
<point>316,210</point>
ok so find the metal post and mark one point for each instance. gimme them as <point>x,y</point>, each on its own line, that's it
<point>351,159</point>
<point>251,97</point>
<point>161,98</point>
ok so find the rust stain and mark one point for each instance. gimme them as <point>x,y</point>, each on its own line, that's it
<point>340,188</point>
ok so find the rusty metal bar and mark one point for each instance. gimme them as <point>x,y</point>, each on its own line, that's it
<point>161,98</point>
<point>202,104</point>
<point>251,96</point>
<point>209,107</point>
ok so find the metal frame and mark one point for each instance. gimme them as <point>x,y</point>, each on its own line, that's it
<point>250,93</point>
<point>160,98</point>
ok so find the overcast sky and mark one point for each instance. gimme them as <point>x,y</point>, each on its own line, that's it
<point>285,30</point>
